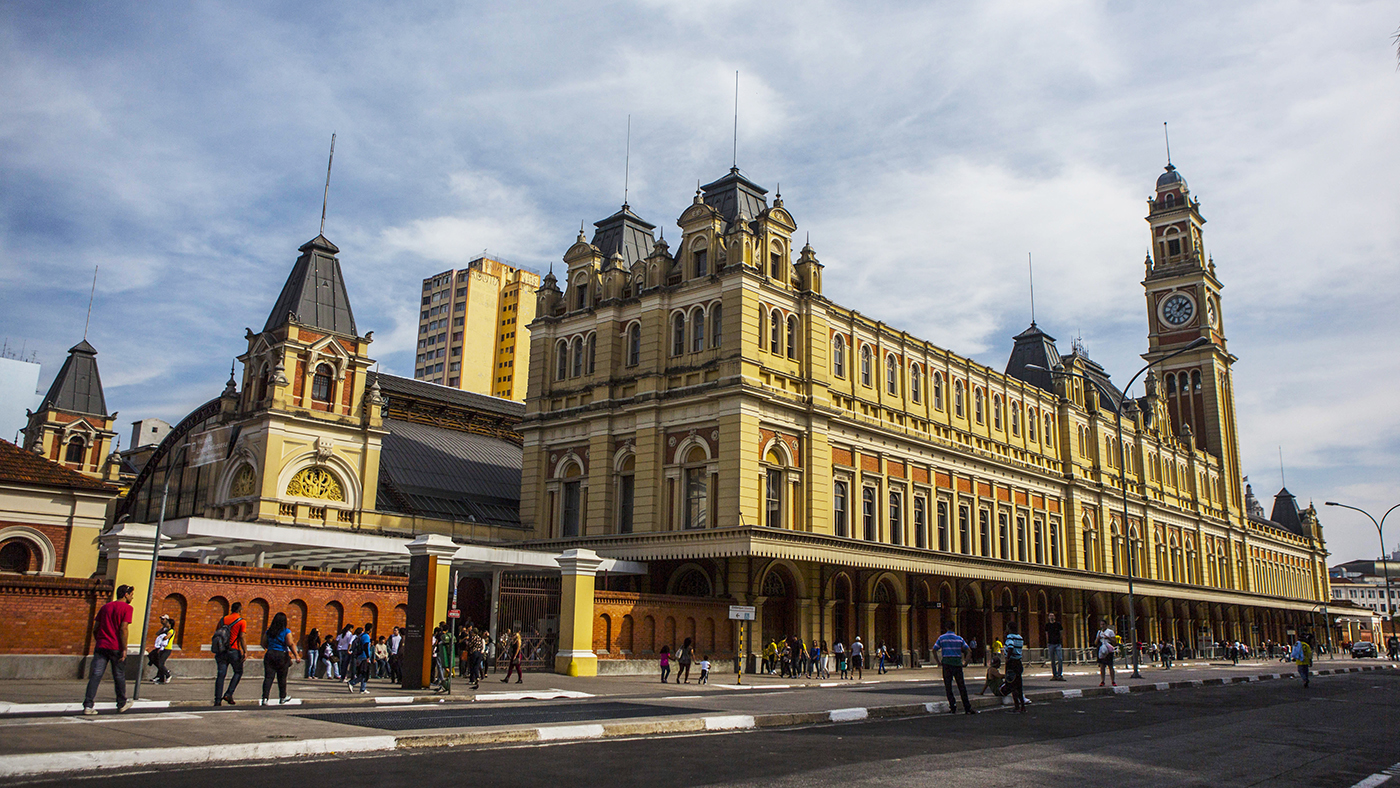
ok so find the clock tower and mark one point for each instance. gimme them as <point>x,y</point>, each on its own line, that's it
<point>1183,303</point>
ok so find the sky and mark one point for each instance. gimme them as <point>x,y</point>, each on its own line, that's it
<point>927,147</point>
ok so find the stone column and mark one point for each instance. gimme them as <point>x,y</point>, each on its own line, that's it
<point>575,656</point>
<point>429,575</point>
<point>866,628</point>
<point>906,646</point>
<point>129,548</point>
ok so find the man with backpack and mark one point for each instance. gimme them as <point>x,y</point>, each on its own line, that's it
<point>1015,669</point>
<point>362,651</point>
<point>229,650</point>
<point>1302,654</point>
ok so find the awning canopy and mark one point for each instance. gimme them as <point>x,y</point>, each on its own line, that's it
<point>263,544</point>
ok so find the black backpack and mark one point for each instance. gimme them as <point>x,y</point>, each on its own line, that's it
<point>222,640</point>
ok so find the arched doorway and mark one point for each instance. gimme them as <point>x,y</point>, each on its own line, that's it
<point>780,598</point>
<point>886,622</point>
<point>843,611</point>
<point>923,641</point>
<point>474,600</point>
<point>972,619</point>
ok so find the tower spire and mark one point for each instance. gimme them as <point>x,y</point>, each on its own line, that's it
<point>327,194</point>
<point>1167,137</point>
<point>627,163</point>
<point>91,296</point>
<point>1030,275</point>
<point>736,120</point>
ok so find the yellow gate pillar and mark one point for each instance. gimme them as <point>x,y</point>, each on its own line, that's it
<point>575,656</point>
<point>429,578</point>
<point>128,548</point>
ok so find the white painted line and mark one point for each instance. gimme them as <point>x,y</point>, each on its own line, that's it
<point>848,715</point>
<point>391,700</point>
<point>1372,781</point>
<point>827,684</point>
<point>729,722</point>
<point>668,697</point>
<point>1071,694</point>
<point>75,708</point>
<point>92,760</point>
<point>1116,690</point>
<point>545,694</point>
<point>562,732</point>
<point>1161,685</point>
<point>734,686</point>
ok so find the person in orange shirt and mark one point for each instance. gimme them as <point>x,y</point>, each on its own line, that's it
<point>230,651</point>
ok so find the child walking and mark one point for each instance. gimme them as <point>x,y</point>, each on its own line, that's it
<point>705,670</point>
<point>665,663</point>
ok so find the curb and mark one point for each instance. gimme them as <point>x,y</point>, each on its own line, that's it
<point>32,765</point>
<point>305,703</point>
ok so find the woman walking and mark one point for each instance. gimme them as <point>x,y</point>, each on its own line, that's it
<point>313,652</point>
<point>281,653</point>
<point>683,659</point>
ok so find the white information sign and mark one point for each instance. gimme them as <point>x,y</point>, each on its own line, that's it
<point>741,613</point>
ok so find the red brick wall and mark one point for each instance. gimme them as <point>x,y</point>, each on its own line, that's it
<point>49,615</point>
<point>635,626</point>
<point>58,536</point>
<point>197,595</point>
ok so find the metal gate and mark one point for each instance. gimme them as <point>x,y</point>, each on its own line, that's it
<point>530,605</point>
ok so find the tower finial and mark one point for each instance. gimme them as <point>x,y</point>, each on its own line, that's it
<point>91,296</point>
<point>1030,275</point>
<point>1168,139</point>
<point>1281,477</point>
<point>627,163</point>
<point>327,194</point>
<point>736,120</point>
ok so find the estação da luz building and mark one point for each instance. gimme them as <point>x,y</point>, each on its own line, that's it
<point>708,410</point>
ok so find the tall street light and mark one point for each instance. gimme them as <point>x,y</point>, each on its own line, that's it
<point>1123,475</point>
<point>1385,562</point>
<point>155,558</point>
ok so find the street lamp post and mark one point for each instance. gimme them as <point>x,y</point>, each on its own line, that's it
<point>1123,479</point>
<point>1385,563</point>
<point>155,557</point>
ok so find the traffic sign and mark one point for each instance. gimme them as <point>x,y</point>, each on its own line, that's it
<point>741,613</point>
<point>454,614</point>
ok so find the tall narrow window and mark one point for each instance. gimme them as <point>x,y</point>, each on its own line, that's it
<point>697,330</point>
<point>717,325</point>
<point>1016,418</point>
<point>696,497</point>
<point>702,265</point>
<point>958,398</point>
<point>576,348</point>
<point>915,383</point>
<point>775,333</point>
<point>73,452</point>
<point>891,375</point>
<point>792,336</point>
<point>1039,542</point>
<point>634,345</point>
<point>1049,431</point>
<point>775,265</point>
<point>838,356</point>
<point>964,530</point>
<point>592,352</point>
<point>866,363</point>
<point>1030,423</point>
<point>1020,538</point>
<point>938,391</point>
<point>943,525</point>
<point>978,405</point>
<point>1003,536</point>
<point>321,383</point>
<point>677,334</point>
<point>840,508</point>
<point>571,509</point>
<point>774,498</point>
<point>626,494</point>
<point>581,287</point>
<point>996,411</point>
<point>984,531</point>
<point>867,511</point>
<point>920,522</point>
<point>896,518</point>
<point>561,360</point>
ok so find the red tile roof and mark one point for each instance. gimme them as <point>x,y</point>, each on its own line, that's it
<point>18,466</point>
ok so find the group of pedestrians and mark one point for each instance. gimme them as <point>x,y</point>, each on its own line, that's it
<point>685,659</point>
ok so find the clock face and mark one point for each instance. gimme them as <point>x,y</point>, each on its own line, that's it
<point>1177,309</point>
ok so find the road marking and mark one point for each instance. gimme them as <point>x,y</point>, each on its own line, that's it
<point>1116,690</point>
<point>729,722</point>
<point>560,732</point>
<point>546,694</point>
<point>848,715</point>
<point>1372,781</point>
<point>105,719</point>
<point>1071,693</point>
<point>93,760</point>
<point>390,700</point>
<point>668,697</point>
<point>74,708</point>
<point>1161,685</point>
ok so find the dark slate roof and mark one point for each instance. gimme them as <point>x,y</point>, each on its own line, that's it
<point>1094,371</point>
<point>436,472</point>
<point>315,292</point>
<point>627,233</point>
<point>1285,514</point>
<point>734,194</point>
<point>18,466</point>
<point>78,388</point>
<point>390,385</point>
<point>1033,346</point>
<point>1170,178</point>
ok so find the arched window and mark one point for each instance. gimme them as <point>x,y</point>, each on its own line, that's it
<point>702,263</point>
<point>1196,380</point>
<point>1015,418</point>
<point>634,345</point>
<point>592,352</point>
<point>996,411</point>
<point>15,556</point>
<point>938,391</point>
<point>775,333</point>
<point>73,452</point>
<point>697,330</point>
<point>958,398</point>
<point>773,491</point>
<point>697,489</point>
<point>792,336</point>
<point>867,506</point>
<point>775,263</point>
<point>915,383</point>
<point>891,375</point>
<point>576,349</point>
<point>321,383</point>
<point>581,288</point>
<point>867,362</point>
<point>677,334</point>
<point>838,356</point>
<point>978,405</point>
<point>717,325</point>
<point>1049,430</point>
<point>561,360</point>
<point>920,522</point>
<point>762,323</point>
<point>896,518</point>
<point>1030,423</point>
<point>1169,383</point>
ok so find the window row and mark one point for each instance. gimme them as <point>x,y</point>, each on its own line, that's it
<point>575,357</point>
<point>688,333</point>
<point>777,333</point>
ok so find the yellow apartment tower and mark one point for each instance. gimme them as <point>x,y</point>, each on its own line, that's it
<point>470,325</point>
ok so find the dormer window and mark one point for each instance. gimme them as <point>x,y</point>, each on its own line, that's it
<point>702,265</point>
<point>74,451</point>
<point>1174,247</point>
<point>321,383</point>
<point>581,287</point>
<point>1171,200</point>
<point>775,265</point>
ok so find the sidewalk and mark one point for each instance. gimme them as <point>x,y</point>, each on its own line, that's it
<point>579,708</point>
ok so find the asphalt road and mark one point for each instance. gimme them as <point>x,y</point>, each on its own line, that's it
<point>1272,733</point>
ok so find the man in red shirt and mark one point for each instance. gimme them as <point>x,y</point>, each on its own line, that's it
<point>109,628</point>
<point>233,657</point>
